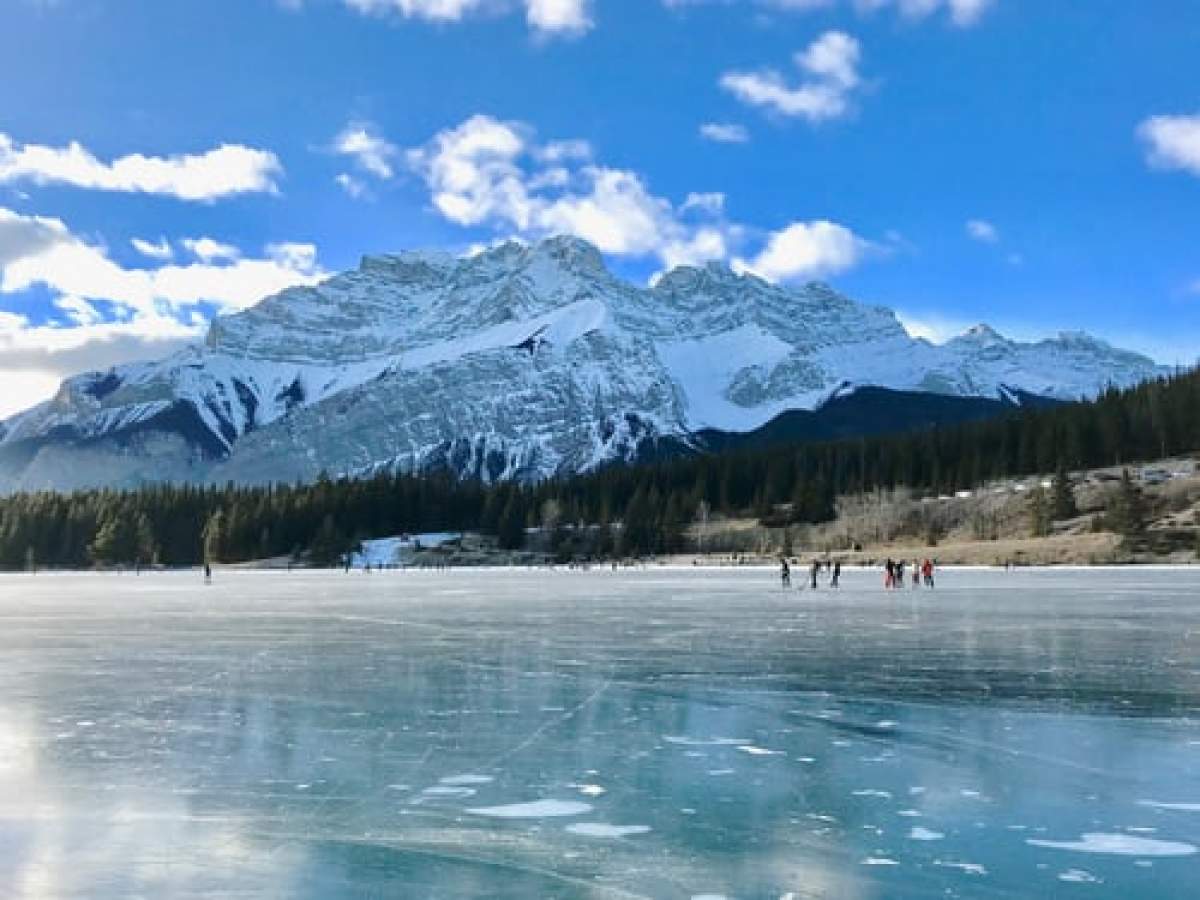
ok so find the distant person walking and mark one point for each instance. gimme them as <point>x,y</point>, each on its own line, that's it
<point>835,580</point>
<point>927,572</point>
<point>785,573</point>
<point>889,577</point>
<point>816,568</point>
<point>207,573</point>
<point>916,578</point>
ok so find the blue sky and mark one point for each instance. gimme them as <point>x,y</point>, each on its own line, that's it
<point>1033,165</point>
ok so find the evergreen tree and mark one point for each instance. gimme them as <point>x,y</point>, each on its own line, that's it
<point>185,524</point>
<point>637,528</point>
<point>510,533</point>
<point>213,537</point>
<point>123,539</point>
<point>145,551</point>
<point>329,546</point>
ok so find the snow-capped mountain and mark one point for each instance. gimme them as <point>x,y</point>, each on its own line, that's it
<point>519,362</point>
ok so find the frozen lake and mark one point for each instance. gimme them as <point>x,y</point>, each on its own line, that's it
<point>658,733</point>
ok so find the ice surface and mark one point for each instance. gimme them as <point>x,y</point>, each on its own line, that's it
<point>322,735</point>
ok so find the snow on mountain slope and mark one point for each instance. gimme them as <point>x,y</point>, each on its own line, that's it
<point>519,362</point>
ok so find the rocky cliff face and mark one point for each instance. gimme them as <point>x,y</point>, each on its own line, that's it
<point>520,362</point>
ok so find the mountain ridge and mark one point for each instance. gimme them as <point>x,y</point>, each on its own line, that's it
<point>522,361</point>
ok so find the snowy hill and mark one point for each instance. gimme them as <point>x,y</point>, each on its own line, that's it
<point>519,362</point>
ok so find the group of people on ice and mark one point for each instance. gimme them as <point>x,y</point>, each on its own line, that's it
<point>834,568</point>
<point>922,573</point>
<point>893,573</point>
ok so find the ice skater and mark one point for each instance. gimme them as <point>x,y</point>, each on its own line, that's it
<point>816,567</point>
<point>207,573</point>
<point>889,576</point>
<point>785,573</point>
<point>836,577</point>
<point>927,572</point>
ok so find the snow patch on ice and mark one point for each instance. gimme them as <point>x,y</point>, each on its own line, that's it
<point>1078,876</point>
<point>466,779</point>
<point>704,742</point>
<point>967,867</point>
<point>445,790</point>
<point>536,809</point>
<point>600,830</point>
<point>924,834</point>
<point>759,751</point>
<point>1118,845</point>
<point>1175,807</point>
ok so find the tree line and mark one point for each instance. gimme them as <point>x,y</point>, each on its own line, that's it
<point>178,525</point>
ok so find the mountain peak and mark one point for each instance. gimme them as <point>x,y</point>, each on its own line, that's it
<point>982,334</point>
<point>520,361</point>
<point>572,253</point>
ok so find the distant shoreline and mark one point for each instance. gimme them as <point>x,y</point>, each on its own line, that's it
<point>799,570</point>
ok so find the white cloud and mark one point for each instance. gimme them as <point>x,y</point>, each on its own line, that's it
<point>161,251</point>
<point>34,359</point>
<point>430,10</point>
<point>983,231</point>
<point>806,250</point>
<point>206,249</point>
<point>783,5</point>
<point>724,133</point>
<point>354,187</point>
<point>831,66</point>
<point>48,254</point>
<point>1173,142</point>
<point>228,170</point>
<point>558,16</point>
<point>487,172</point>
<point>550,17</point>
<point>963,13</point>
<point>24,236</point>
<point>111,314</point>
<point>370,152</point>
